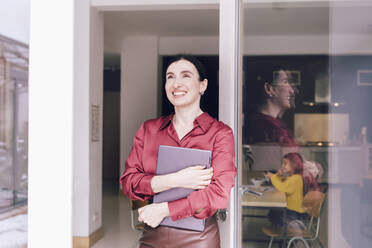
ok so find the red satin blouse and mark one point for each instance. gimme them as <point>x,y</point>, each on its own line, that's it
<point>207,134</point>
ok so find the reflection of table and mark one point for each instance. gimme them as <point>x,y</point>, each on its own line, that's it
<point>270,199</point>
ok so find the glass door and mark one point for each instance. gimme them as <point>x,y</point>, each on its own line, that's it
<point>306,89</point>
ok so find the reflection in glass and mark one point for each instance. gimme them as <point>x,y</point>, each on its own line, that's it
<point>13,123</point>
<point>323,113</point>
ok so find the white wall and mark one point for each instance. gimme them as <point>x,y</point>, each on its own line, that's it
<point>88,90</point>
<point>81,133</point>
<point>191,45</point>
<point>96,98</point>
<point>139,88</point>
<point>51,125</point>
<point>65,168</point>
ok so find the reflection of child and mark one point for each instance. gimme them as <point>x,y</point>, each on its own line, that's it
<point>289,180</point>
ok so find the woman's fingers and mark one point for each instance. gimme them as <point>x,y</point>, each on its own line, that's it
<point>203,185</point>
<point>196,167</point>
<point>206,176</point>
<point>153,214</point>
<point>208,170</point>
<point>195,176</point>
<point>207,182</point>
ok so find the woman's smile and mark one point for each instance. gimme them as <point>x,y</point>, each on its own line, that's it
<point>179,93</point>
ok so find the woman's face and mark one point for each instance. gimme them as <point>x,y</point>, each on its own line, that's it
<point>182,85</point>
<point>283,92</point>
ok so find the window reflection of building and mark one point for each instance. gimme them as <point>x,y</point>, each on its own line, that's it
<point>13,122</point>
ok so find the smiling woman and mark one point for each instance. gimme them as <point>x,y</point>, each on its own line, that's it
<point>269,95</point>
<point>185,82</point>
<point>188,127</point>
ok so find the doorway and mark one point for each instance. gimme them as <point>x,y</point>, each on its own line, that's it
<point>111,123</point>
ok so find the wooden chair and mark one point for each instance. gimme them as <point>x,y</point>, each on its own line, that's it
<point>134,206</point>
<point>312,204</point>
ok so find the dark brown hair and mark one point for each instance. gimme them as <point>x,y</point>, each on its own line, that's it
<point>193,60</point>
<point>296,162</point>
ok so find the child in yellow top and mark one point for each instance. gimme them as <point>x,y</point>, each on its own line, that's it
<point>289,180</point>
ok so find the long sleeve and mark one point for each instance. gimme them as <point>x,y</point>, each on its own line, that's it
<point>135,181</point>
<point>204,203</point>
<point>293,187</point>
<point>288,186</point>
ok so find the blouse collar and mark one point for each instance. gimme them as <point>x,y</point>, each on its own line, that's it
<point>204,120</point>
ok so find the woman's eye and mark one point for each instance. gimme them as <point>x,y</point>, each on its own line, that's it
<point>169,77</point>
<point>187,75</point>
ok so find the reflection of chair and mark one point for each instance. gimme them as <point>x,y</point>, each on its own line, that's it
<point>298,242</point>
<point>312,205</point>
<point>134,206</point>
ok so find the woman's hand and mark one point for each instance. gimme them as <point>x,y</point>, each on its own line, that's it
<point>195,177</point>
<point>153,214</point>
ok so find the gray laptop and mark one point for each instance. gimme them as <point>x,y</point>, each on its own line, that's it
<point>172,159</point>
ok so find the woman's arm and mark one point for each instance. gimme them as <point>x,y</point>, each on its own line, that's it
<point>195,177</point>
<point>204,203</point>
<point>135,182</point>
<point>139,185</point>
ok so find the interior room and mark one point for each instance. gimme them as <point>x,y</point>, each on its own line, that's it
<point>308,37</point>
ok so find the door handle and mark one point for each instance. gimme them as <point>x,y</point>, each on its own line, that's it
<point>221,214</point>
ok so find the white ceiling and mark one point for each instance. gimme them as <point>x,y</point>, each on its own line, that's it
<point>286,21</point>
<point>264,20</point>
<point>164,22</point>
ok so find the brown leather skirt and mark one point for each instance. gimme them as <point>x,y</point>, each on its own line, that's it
<point>169,237</point>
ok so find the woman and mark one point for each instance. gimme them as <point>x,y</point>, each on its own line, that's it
<point>271,93</point>
<point>188,127</point>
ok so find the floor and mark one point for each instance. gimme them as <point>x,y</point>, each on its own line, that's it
<point>116,221</point>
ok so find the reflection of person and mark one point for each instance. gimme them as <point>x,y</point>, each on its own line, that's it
<point>188,127</point>
<point>289,180</point>
<point>269,95</point>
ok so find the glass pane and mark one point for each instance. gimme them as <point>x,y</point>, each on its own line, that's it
<point>349,173</point>
<point>13,124</point>
<point>306,92</point>
<point>13,142</point>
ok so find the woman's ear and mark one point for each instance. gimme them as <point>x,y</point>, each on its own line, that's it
<point>203,86</point>
<point>269,90</point>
